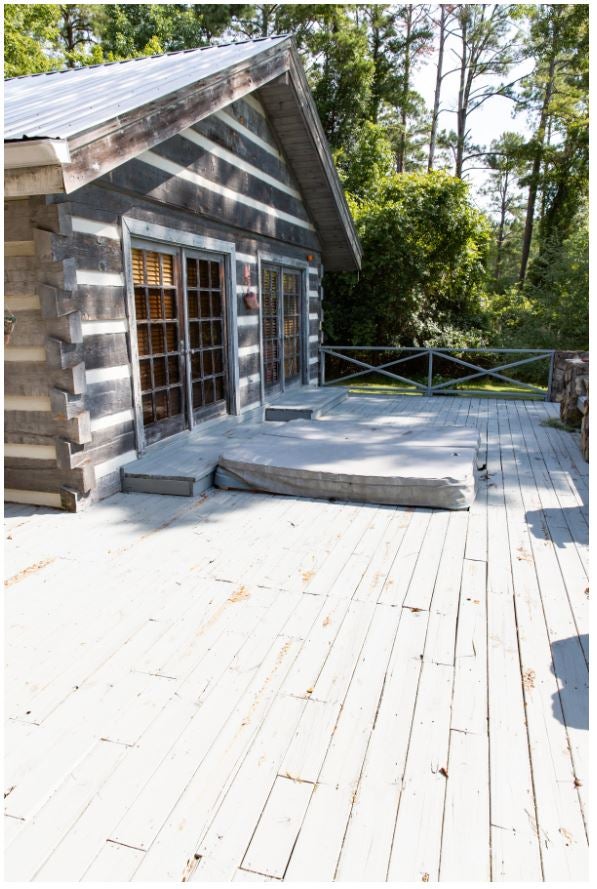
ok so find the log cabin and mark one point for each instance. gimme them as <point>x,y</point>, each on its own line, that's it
<point>167,224</point>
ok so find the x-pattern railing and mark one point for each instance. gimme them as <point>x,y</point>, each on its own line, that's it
<point>446,386</point>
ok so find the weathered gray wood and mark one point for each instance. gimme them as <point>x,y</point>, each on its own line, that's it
<point>80,479</point>
<point>215,169</point>
<point>110,447</point>
<point>105,350</point>
<point>110,397</point>
<point>25,378</point>
<point>30,329</point>
<point>126,135</point>
<point>31,425</point>
<point>143,178</point>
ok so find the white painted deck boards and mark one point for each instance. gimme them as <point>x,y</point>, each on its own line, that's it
<point>249,687</point>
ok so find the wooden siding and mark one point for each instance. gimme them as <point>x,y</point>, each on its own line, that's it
<point>74,315</point>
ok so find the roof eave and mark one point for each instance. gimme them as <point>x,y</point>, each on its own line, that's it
<point>289,98</point>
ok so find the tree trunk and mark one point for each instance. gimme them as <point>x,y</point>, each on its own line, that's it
<point>401,158</point>
<point>461,113</point>
<point>438,88</point>
<point>500,237</point>
<point>536,169</point>
<point>376,85</point>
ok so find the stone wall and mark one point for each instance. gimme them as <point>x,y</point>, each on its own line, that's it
<point>573,393</point>
<point>561,364</point>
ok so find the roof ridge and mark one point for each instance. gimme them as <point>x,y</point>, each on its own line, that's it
<point>159,55</point>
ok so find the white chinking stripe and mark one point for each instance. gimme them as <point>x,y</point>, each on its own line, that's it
<point>93,328</point>
<point>314,270</point>
<point>247,320</point>
<point>314,338</point>
<point>248,350</point>
<point>111,420</point>
<point>92,227</point>
<point>251,378</point>
<point>107,374</point>
<point>115,463</point>
<point>246,258</point>
<point>313,316</point>
<point>254,103</point>
<point>34,498</point>
<point>223,153</point>
<point>105,279</point>
<point>25,353</point>
<point>234,124</point>
<point>314,360</point>
<point>162,163</point>
<point>30,451</point>
<point>32,403</point>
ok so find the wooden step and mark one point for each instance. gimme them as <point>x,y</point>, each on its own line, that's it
<point>177,485</point>
<point>303,404</point>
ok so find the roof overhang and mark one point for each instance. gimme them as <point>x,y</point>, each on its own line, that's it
<point>50,166</point>
<point>36,153</point>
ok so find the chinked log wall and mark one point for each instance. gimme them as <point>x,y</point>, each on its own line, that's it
<point>46,420</point>
<point>71,397</point>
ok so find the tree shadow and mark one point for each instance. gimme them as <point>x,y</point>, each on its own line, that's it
<point>570,705</point>
<point>563,525</point>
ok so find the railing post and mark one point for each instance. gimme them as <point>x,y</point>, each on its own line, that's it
<point>550,375</point>
<point>321,367</point>
<point>430,373</point>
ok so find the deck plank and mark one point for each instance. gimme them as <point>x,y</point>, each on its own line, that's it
<point>301,689</point>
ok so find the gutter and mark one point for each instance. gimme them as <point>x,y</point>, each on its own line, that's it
<point>36,153</point>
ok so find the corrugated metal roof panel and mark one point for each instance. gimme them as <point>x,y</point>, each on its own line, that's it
<point>60,104</point>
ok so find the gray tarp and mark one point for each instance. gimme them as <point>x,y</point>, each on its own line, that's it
<point>378,470</point>
<point>373,433</point>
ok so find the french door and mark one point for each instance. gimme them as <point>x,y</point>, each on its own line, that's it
<point>181,338</point>
<point>281,327</point>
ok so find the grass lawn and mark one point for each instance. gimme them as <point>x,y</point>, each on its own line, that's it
<point>377,384</point>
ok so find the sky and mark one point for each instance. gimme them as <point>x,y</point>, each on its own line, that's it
<point>487,123</point>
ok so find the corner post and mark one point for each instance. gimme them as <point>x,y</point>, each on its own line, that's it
<point>429,390</point>
<point>552,361</point>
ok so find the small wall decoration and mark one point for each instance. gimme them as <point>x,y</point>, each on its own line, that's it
<point>9,323</point>
<point>250,298</point>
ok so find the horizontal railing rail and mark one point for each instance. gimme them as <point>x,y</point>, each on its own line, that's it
<point>427,386</point>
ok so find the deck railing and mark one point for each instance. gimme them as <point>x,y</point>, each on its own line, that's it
<point>429,382</point>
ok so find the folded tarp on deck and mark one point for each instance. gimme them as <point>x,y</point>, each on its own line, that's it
<point>374,433</point>
<point>385,472</point>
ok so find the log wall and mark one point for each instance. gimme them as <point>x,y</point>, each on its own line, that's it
<point>225,178</point>
<point>46,424</point>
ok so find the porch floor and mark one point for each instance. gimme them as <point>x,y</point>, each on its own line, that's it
<point>185,465</point>
<point>247,687</point>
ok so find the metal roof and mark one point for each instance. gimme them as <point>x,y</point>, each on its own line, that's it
<point>59,104</point>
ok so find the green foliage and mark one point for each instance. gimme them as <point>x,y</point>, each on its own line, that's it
<point>341,76</point>
<point>31,34</point>
<point>423,270</point>
<point>435,271</point>
<point>554,313</point>
<point>130,30</point>
<point>370,161</point>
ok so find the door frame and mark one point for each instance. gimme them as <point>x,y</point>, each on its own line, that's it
<point>161,235</point>
<point>295,265</point>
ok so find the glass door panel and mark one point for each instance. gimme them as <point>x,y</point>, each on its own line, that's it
<point>270,287</point>
<point>206,336</point>
<point>292,326</point>
<point>158,323</point>
<point>281,327</point>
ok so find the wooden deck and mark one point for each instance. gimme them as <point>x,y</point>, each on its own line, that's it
<point>247,687</point>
